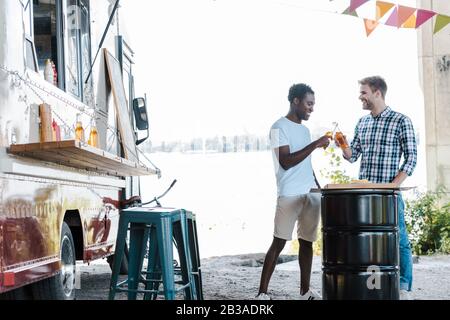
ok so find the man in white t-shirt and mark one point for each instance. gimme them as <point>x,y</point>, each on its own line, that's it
<point>292,147</point>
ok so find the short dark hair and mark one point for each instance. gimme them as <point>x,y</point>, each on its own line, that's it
<point>375,83</point>
<point>299,91</point>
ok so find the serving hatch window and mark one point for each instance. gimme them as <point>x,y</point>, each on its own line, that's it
<point>78,48</point>
<point>61,30</point>
<point>28,17</point>
<point>45,27</point>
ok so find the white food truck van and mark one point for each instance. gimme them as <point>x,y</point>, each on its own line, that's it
<point>64,61</point>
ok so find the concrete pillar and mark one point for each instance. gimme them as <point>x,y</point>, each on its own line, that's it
<point>434,65</point>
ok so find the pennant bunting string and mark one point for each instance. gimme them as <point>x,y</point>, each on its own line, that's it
<point>400,17</point>
<point>441,22</point>
<point>370,25</point>
<point>423,16</point>
<point>355,4</point>
<point>383,8</point>
<point>393,19</point>
<point>410,23</point>
<point>403,14</point>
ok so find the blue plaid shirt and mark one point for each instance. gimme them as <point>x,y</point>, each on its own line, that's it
<point>381,141</point>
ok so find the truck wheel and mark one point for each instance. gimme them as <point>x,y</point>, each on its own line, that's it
<point>61,286</point>
<point>123,265</point>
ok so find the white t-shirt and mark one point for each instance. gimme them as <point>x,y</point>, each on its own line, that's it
<point>299,179</point>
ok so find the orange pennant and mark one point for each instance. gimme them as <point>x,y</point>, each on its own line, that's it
<point>370,25</point>
<point>404,13</point>
<point>382,8</point>
<point>410,23</point>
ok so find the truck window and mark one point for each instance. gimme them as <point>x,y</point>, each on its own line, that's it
<point>45,32</point>
<point>78,50</point>
<point>28,18</point>
<point>62,33</point>
<point>86,60</point>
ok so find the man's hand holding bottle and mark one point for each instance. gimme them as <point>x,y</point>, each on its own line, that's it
<point>323,142</point>
<point>340,141</point>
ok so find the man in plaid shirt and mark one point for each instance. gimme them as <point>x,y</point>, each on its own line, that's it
<point>381,138</point>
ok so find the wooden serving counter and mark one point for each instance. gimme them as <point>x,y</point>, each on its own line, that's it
<point>80,155</point>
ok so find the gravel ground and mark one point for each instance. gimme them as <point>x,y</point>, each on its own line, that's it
<point>237,278</point>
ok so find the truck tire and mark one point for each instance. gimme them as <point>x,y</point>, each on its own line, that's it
<point>123,265</point>
<point>62,285</point>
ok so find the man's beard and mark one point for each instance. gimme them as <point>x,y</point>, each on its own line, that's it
<point>367,105</point>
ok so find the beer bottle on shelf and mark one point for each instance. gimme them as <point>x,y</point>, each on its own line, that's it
<point>48,71</point>
<point>93,136</point>
<point>79,131</point>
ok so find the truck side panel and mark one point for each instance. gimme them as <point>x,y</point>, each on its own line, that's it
<point>31,216</point>
<point>37,197</point>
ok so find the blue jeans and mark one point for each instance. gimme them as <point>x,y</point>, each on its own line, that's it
<point>406,264</point>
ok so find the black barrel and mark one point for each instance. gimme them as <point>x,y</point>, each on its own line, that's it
<point>360,244</point>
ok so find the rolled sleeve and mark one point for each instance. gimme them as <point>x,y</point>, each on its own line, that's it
<point>409,146</point>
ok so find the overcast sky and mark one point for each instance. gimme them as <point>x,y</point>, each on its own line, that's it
<point>224,67</point>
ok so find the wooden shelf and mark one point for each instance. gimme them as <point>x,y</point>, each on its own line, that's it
<point>79,155</point>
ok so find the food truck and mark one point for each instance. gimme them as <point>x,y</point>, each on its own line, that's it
<point>66,70</point>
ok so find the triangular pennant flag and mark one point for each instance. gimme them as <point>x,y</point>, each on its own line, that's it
<point>392,20</point>
<point>441,22</point>
<point>370,25</point>
<point>350,13</point>
<point>355,4</point>
<point>423,16</point>
<point>410,23</point>
<point>403,14</point>
<point>382,8</point>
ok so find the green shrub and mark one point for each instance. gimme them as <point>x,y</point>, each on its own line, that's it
<point>428,223</point>
<point>445,244</point>
<point>317,245</point>
<point>334,173</point>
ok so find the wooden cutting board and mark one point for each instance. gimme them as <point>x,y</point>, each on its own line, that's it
<point>354,186</point>
<point>351,186</point>
<point>362,186</point>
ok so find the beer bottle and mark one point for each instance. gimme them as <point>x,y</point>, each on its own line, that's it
<point>79,131</point>
<point>93,136</point>
<point>341,140</point>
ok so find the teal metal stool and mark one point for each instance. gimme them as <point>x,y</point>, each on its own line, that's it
<point>154,267</point>
<point>195,253</point>
<point>157,225</point>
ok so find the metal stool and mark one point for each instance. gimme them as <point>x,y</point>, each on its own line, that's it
<point>154,268</point>
<point>195,254</point>
<point>157,225</point>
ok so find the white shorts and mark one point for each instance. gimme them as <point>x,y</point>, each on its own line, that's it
<point>303,209</point>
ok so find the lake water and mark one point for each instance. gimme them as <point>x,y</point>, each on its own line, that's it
<point>232,194</point>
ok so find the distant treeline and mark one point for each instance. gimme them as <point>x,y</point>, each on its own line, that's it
<point>224,144</point>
